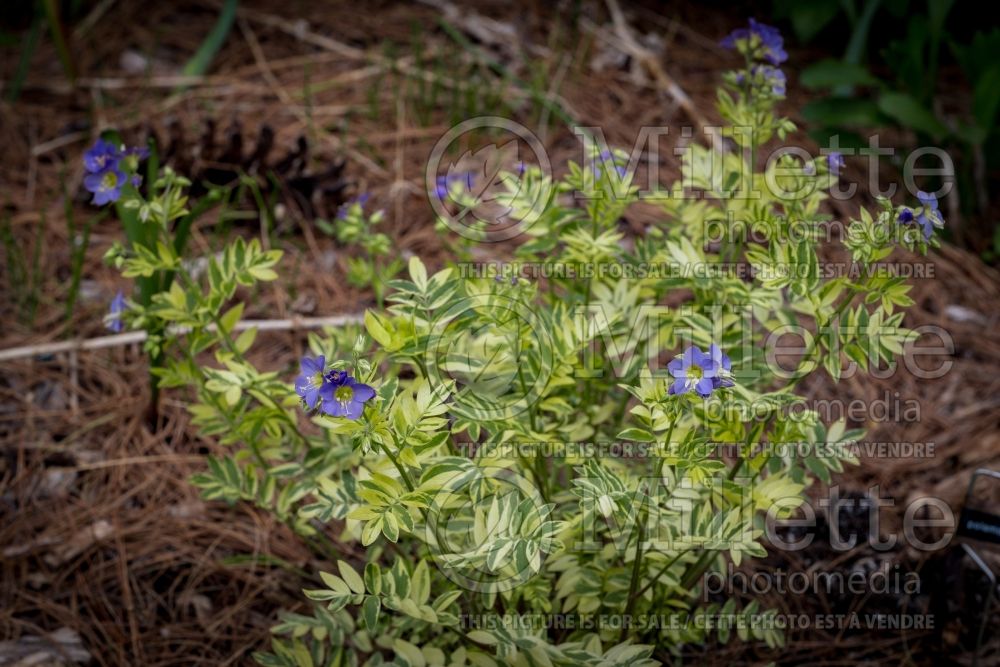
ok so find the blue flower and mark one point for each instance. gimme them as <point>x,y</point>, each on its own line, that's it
<point>114,319</point>
<point>106,185</point>
<point>701,372</point>
<point>443,184</point>
<point>309,383</point>
<point>771,76</point>
<point>100,156</point>
<point>761,41</point>
<point>140,153</point>
<point>732,40</point>
<point>106,166</point>
<point>441,187</point>
<point>337,393</point>
<point>836,162</point>
<point>343,396</point>
<point>360,200</point>
<point>928,216</point>
<point>607,159</point>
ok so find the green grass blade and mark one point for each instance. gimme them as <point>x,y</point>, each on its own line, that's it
<point>202,59</point>
<point>24,61</point>
<point>34,290</point>
<point>51,9</point>
<point>79,254</point>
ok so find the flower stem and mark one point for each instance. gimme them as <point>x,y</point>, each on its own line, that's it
<point>636,566</point>
<point>399,466</point>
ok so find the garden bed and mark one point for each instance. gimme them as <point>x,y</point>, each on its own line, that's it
<point>101,531</point>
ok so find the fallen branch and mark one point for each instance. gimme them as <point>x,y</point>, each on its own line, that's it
<point>133,337</point>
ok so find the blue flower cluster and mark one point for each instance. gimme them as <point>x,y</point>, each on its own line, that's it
<point>759,42</point>
<point>607,160</point>
<point>764,45</point>
<point>360,200</point>
<point>338,394</point>
<point>703,373</point>
<point>771,77</point>
<point>442,187</point>
<point>107,166</point>
<point>927,216</point>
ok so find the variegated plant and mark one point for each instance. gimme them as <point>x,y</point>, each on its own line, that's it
<point>466,443</point>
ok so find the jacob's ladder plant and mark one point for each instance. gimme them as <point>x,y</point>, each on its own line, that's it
<point>452,467</point>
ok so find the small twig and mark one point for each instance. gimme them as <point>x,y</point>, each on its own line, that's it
<point>91,19</point>
<point>133,337</point>
<point>286,99</point>
<point>58,142</point>
<point>300,30</point>
<point>129,603</point>
<point>552,95</point>
<point>74,382</point>
<point>262,65</point>
<point>398,161</point>
<point>140,460</point>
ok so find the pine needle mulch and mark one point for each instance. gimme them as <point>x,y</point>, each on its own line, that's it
<point>106,551</point>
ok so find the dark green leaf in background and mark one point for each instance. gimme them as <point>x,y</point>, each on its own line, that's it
<point>831,73</point>
<point>908,112</point>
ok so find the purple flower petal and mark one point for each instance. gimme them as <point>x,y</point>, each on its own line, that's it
<point>678,387</point>
<point>337,378</point>
<point>102,155</point>
<point>704,387</point>
<point>312,364</point>
<point>709,368</point>
<point>927,200</point>
<point>334,408</point>
<point>354,409</point>
<point>309,385</point>
<point>926,225</point>
<point>92,182</point>
<point>362,392</point>
<point>115,310</point>
<point>691,357</point>
<point>836,162</point>
<point>310,395</point>
<point>771,43</point>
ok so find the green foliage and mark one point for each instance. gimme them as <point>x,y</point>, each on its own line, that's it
<point>79,242</point>
<point>474,493</point>
<point>906,41</point>
<point>202,59</point>
<point>24,272</point>
<point>28,48</point>
<point>372,268</point>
